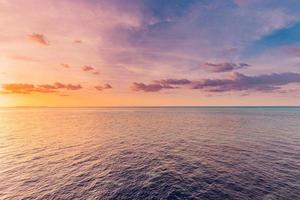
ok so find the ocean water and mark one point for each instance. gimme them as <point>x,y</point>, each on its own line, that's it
<point>150,153</point>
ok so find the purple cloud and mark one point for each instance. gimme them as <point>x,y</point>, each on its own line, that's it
<point>241,82</point>
<point>158,85</point>
<point>101,88</point>
<point>87,68</point>
<point>238,82</point>
<point>224,67</point>
<point>146,88</point>
<point>173,81</point>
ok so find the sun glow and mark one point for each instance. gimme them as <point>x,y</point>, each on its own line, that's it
<point>6,101</point>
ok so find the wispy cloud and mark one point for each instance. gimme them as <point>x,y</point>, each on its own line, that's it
<point>65,65</point>
<point>38,38</point>
<point>87,68</point>
<point>103,87</point>
<point>224,67</point>
<point>59,85</point>
<point>77,41</point>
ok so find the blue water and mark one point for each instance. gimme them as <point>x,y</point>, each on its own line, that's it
<point>150,153</point>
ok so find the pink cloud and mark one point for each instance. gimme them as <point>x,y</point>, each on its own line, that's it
<point>106,86</point>
<point>73,87</point>
<point>77,41</point>
<point>65,65</point>
<point>38,38</point>
<point>59,85</point>
<point>87,68</point>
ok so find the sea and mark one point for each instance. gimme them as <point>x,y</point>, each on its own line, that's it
<point>150,153</point>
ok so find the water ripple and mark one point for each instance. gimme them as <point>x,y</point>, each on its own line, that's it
<point>150,153</point>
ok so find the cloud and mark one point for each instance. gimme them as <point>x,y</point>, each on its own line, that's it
<point>146,88</point>
<point>65,65</point>
<point>18,88</point>
<point>91,69</point>
<point>173,81</point>
<point>237,82</point>
<point>73,87</point>
<point>158,85</point>
<point>241,82</point>
<point>101,88</point>
<point>77,41</point>
<point>224,67</point>
<point>39,38</point>
<point>24,88</point>
<point>59,85</point>
<point>87,68</point>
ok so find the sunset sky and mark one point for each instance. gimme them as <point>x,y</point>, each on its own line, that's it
<point>149,52</point>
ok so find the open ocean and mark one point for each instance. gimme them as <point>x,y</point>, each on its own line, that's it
<point>150,153</point>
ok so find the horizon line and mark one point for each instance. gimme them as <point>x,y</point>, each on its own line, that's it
<point>158,106</point>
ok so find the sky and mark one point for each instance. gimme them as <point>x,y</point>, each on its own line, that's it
<point>149,52</point>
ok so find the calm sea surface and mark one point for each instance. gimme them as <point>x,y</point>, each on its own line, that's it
<point>150,153</point>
